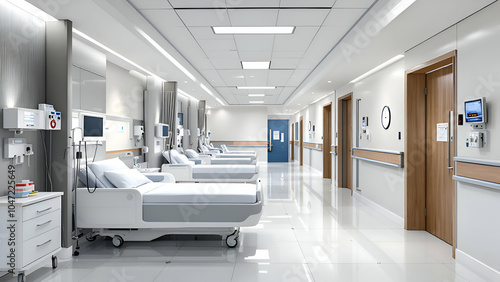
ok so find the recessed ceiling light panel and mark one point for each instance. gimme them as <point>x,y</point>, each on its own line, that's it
<point>256,95</point>
<point>256,65</point>
<point>253,29</point>
<point>256,102</point>
<point>256,87</point>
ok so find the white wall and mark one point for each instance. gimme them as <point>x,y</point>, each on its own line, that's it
<point>381,184</point>
<point>314,114</point>
<point>239,123</point>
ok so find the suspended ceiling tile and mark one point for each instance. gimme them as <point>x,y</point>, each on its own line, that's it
<point>225,64</point>
<point>252,3</point>
<point>217,45</point>
<point>201,63</point>
<point>255,56</point>
<point>253,17</point>
<point>163,18</point>
<point>308,3</point>
<point>151,4</point>
<point>288,54</point>
<point>343,17</point>
<point>285,94</point>
<point>196,4</point>
<point>297,77</point>
<point>302,17</point>
<point>223,55</point>
<point>233,78</point>
<point>254,43</point>
<point>213,77</point>
<point>284,63</point>
<point>206,33</point>
<point>256,77</point>
<point>279,77</point>
<point>204,17</point>
<point>353,4</point>
<point>299,41</point>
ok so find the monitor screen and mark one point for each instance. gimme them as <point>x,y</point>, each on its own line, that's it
<point>93,126</point>
<point>474,111</point>
<point>165,131</point>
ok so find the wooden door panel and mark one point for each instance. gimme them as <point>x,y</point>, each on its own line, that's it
<point>439,188</point>
<point>349,142</point>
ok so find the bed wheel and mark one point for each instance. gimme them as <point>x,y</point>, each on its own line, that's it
<point>117,241</point>
<point>232,240</point>
<point>54,262</point>
<point>90,237</point>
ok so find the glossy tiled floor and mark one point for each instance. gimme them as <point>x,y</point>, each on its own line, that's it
<point>309,231</point>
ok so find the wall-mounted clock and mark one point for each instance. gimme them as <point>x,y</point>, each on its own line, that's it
<point>386,117</point>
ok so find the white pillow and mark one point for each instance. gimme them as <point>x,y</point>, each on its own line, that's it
<point>126,178</point>
<point>191,154</point>
<point>98,168</point>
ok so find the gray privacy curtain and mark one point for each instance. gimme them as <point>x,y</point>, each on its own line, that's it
<point>170,111</point>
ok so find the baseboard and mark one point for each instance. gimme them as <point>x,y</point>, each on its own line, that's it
<point>473,269</point>
<point>385,212</point>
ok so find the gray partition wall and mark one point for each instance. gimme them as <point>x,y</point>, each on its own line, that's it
<point>58,63</point>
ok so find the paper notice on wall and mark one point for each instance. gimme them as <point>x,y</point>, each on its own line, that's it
<point>276,135</point>
<point>442,132</point>
<point>282,137</point>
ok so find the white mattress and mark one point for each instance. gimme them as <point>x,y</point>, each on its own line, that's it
<point>225,169</point>
<point>202,193</point>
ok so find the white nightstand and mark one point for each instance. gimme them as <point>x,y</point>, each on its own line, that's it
<point>33,232</point>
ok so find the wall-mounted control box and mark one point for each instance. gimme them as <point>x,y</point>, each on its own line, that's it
<point>23,119</point>
<point>52,120</point>
<point>475,140</point>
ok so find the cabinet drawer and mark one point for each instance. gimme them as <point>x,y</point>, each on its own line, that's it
<point>41,208</point>
<point>42,245</point>
<point>41,224</point>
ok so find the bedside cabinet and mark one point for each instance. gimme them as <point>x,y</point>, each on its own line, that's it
<point>30,232</point>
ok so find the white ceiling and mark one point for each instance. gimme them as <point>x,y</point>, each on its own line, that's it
<point>301,63</point>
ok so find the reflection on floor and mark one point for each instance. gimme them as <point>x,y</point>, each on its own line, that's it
<point>309,231</point>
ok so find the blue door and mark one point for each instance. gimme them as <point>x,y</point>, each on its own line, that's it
<point>277,140</point>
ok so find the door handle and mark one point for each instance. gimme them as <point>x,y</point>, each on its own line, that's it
<point>450,137</point>
<point>270,145</point>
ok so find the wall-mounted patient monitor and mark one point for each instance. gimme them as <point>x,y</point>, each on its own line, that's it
<point>93,127</point>
<point>162,130</point>
<point>476,112</point>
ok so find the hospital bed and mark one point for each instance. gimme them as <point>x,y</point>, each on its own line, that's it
<point>145,210</point>
<point>185,170</point>
<point>214,160</point>
<point>225,150</point>
<point>204,150</point>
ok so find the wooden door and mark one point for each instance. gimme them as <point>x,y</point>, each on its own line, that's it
<point>348,148</point>
<point>344,123</point>
<point>293,142</point>
<point>327,143</point>
<point>439,154</point>
<point>301,140</point>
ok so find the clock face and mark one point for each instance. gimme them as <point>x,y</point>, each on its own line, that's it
<point>386,117</point>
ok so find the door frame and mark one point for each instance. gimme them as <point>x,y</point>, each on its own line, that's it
<point>292,156</point>
<point>340,142</point>
<point>415,143</point>
<point>301,140</point>
<point>327,141</point>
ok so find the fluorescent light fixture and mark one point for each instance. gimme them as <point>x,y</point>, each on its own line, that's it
<point>253,29</point>
<point>256,102</point>
<point>256,95</point>
<point>256,65</point>
<point>376,69</point>
<point>182,93</point>
<point>255,87</point>
<point>30,9</point>
<point>319,99</point>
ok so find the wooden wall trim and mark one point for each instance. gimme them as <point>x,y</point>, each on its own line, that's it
<point>124,151</point>
<point>243,143</point>
<point>314,146</point>
<point>481,172</point>
<point>382,157</point>
<point>438,62</point>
